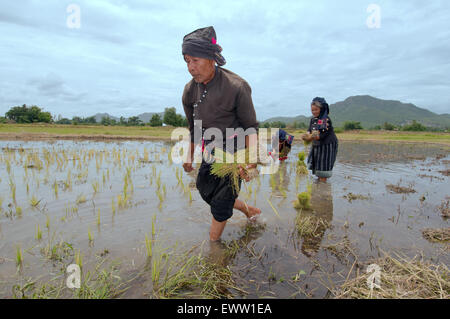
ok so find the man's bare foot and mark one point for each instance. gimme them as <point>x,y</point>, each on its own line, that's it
<point>251,212</point>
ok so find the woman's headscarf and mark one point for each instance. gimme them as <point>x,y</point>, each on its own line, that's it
<point>202,43</point>
<point>324,111</point>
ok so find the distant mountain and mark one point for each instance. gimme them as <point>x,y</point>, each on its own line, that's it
<point>145,117</point>
<point>99,116</point>
<point>371,111</point>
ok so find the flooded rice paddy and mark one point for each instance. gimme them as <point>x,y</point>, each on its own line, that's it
<point>135,223</point>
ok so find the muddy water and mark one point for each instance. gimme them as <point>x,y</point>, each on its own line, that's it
<point>272,259</point>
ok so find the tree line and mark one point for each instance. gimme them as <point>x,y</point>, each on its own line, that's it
<point>34,114</point>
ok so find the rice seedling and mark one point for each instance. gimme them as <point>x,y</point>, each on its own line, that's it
<point>8,166</point>
<point>153,226</point>
<point>38,233</point>
<point>160,197</point>
<point>98,218</point>
<point>79,258</point>
<point>19,211</point>
<point>95,187</point>
<point>148,246</point>
<point>273,182</point>
<point>297,276</point>
<point>68,182</point>
<point>156,269</point>
<point>113,206</point>
<point>34,202</point>
<point>125,185</point>
<point>19,256</point>
<point>12,186</point>
<point>120,202</point>
<point>58,252</point>
<point>158,181</point>
<point>273,207</point>
<point>47,223</point>
<point>90,236</point>
<point>55,189</point>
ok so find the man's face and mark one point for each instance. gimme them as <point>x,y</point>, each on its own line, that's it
<point>199,68</point>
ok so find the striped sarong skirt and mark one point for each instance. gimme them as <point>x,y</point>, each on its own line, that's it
<point>322,157</point>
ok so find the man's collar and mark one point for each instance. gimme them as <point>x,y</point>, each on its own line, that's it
<point>214,79</point>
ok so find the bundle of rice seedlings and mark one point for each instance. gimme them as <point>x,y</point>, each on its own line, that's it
<point>301,156</point>
<point>400,277</point>
<point>304,199</point>
<point>301,166</point>
<point>227,164</point>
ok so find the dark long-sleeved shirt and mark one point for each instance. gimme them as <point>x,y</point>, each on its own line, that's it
<point>227,103</point>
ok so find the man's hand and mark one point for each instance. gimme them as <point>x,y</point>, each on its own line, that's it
<point>188,167</point>
<point>246,174</point>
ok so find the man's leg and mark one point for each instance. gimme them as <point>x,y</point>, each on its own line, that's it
<point>216,229</point>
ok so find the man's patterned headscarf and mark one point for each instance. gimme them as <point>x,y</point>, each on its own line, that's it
<point>202,43</point>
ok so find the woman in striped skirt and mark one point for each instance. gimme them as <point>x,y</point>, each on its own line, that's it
<point>324,148</point>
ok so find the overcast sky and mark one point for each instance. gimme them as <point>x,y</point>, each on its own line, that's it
<point>125,58</point>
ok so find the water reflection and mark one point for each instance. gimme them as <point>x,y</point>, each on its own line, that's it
<point>223,252</point>
<point>312,223</point>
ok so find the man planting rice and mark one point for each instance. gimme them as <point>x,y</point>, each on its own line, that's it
<point>216,98</point>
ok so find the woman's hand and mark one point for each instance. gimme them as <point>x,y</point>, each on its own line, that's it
<point>306,137</point>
